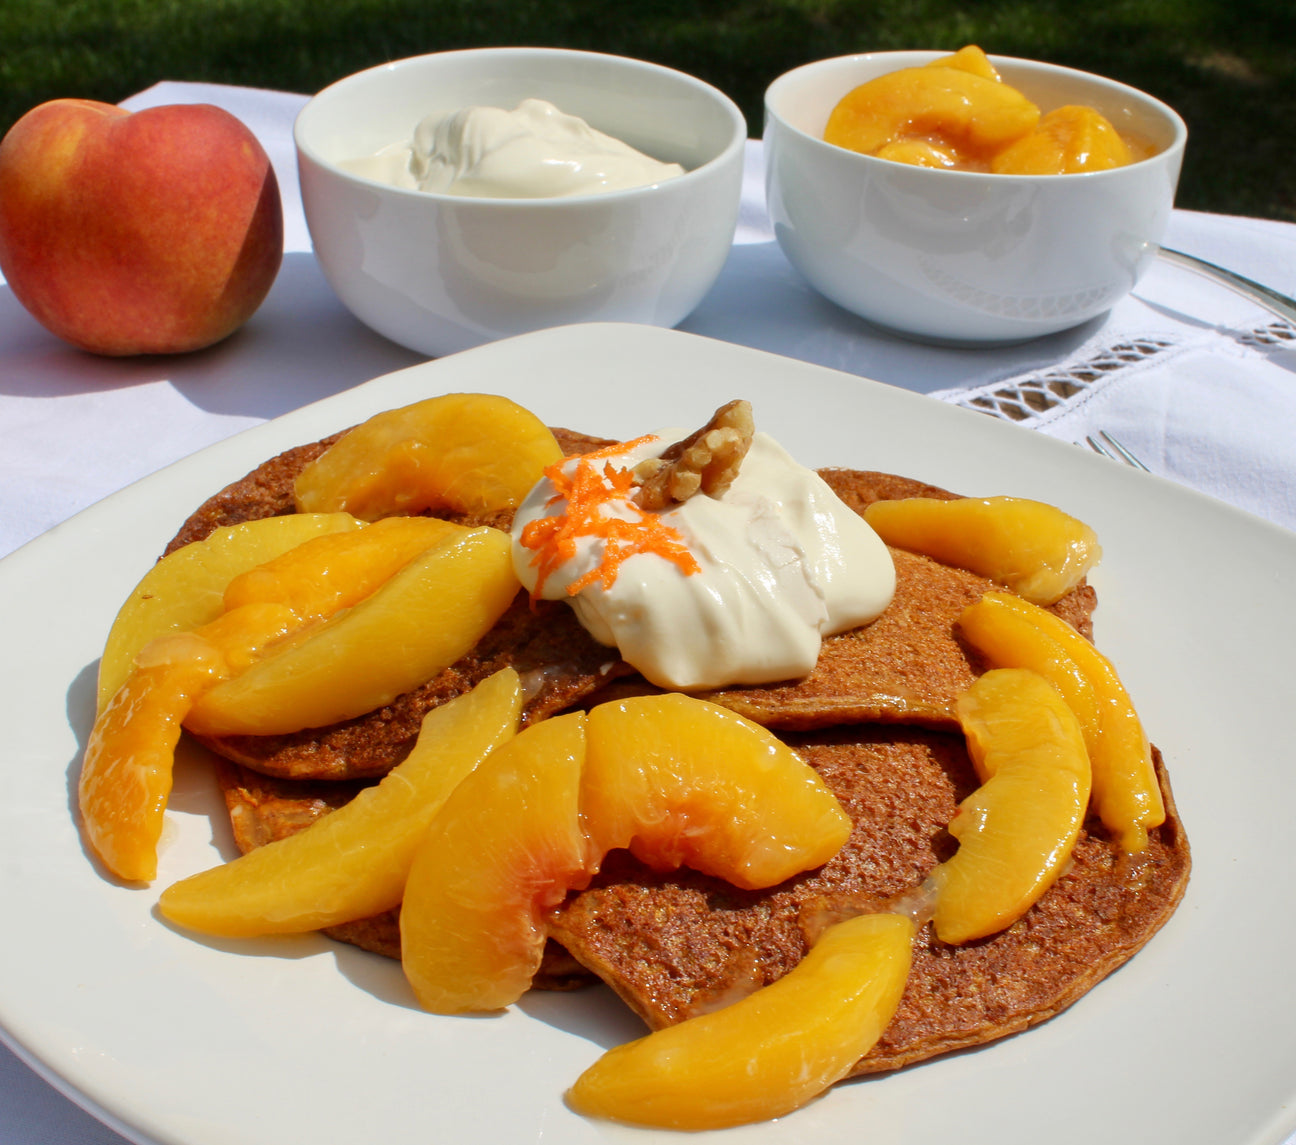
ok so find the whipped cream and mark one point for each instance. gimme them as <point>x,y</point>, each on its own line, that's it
<point>781,563</point>
<point>534,151</point>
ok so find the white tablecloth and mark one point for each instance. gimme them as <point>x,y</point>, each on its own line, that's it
<point>1196,380</point>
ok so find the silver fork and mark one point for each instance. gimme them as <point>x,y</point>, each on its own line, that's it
<point>1267,297</point>
<point>1110,447</point>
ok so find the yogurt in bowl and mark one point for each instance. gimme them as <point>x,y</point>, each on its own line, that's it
<point>440,272</point>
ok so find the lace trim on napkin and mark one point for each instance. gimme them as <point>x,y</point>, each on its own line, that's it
<point>1032,398</point>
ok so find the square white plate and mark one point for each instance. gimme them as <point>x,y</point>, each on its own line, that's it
<point>301,1040</point>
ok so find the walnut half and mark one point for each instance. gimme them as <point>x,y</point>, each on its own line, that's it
<point>704,462</point>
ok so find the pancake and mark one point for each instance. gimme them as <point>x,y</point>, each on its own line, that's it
<point>907,666</point>
<point>875,719</point>
<point>677,945</point>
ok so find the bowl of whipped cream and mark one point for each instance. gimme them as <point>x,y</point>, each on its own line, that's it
<point>460,197</point>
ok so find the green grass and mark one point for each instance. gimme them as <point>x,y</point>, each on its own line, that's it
<point>1229,68</point>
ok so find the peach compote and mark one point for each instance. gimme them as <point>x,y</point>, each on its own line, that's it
<point>769,1053</point>
<point>675,778</point>
<point>505,848</point>
<point>422,619</point>
<point>353,863</point>
<point>184,589</point>
<point>956,112</point>
<point>1067,140</point>
<point>1035,549</point>
<point>470,453</point>
<point>1008,631</point>
<point>678,781</point>
<point>126,774</point>
<point>1018,829</point>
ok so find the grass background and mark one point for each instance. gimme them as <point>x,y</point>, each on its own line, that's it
<point>1227,66</point>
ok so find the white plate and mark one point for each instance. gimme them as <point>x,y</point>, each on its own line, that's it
<point>300,1040</point>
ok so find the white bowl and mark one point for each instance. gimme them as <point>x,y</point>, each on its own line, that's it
<point>440,273</point>
<point>963,257</point>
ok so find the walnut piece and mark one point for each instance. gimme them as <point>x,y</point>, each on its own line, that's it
<point>704,462</point>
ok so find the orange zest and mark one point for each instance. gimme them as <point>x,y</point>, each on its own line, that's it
<point>625,531</point>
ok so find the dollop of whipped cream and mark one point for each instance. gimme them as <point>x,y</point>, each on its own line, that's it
<point>534,151</point>
<point>772,566</point>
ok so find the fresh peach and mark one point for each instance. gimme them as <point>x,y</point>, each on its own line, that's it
<point>154,232</point>
<point>769,1053</point>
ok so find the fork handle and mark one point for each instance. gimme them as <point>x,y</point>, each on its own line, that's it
<point>1280,304</point>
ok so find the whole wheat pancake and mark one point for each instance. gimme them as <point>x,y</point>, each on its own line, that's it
<point>907,666</point>
<point>677,945</point>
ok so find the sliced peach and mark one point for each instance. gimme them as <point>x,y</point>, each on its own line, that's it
<point>949,106</point>
<point>470,453</point>
<point>1034,549</point>
<point>421,620</point>
<point>1011,632</point>
<point>1067,141</point>
<point>353,863</point>
<point>184,589</point>
<point>504,849</point>
<point>969,59</point>
<point>682,782</point>
<point>769,1053</point>
<point>336,571</point>
<point>919,153</point>
<point>1016,831</point>
<point>125,776</point>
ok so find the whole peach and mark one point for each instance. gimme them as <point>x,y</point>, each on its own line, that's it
<point>153,232</point>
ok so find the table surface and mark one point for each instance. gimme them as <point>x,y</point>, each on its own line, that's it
<point>1197,380</point>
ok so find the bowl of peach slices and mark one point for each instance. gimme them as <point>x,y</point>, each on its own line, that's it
<point>964,198</point>
<point>791,881</point>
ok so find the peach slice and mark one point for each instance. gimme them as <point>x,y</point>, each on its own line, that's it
<point>769,1053</point>
<point>950,106</point>
<point>125,776</point>
<point>469,453</point>
<point>1035,549</point>
<point>683,782</point>
<point>337,570</point>
<point>1018,829</point>
<point>677,779</point>
<point>1067,140</point>
<point>1011,632</point>
<point>353,863</point>
<point>184,589</point>
<point>505,848</point>
<point>969,59</point>
<point>424,618</point>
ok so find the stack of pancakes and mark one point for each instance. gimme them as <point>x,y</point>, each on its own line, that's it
<point>876,720</point>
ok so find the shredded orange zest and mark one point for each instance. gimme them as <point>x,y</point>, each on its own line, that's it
<point>587,490</point>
